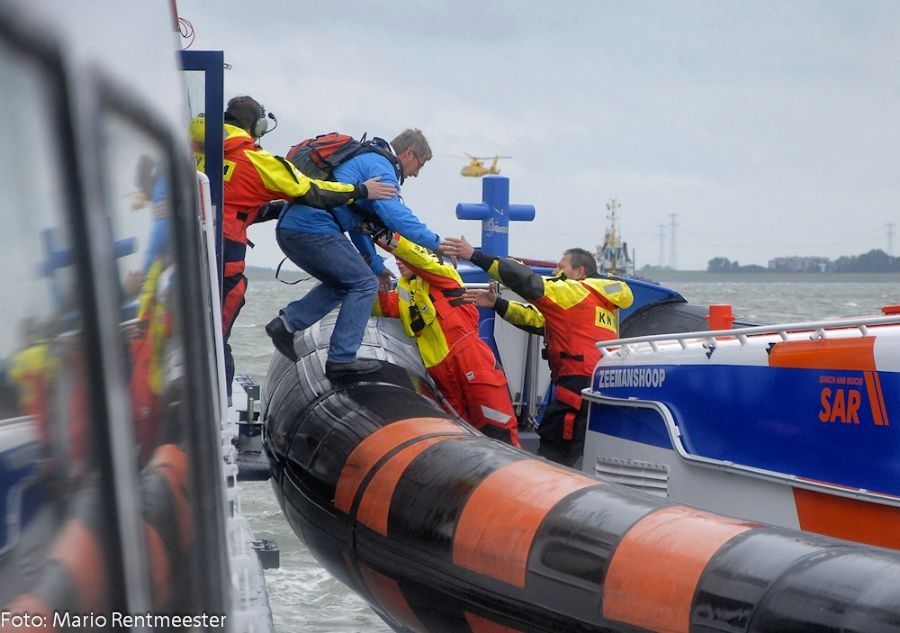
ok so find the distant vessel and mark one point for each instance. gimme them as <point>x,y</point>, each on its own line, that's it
<point>612,256</point>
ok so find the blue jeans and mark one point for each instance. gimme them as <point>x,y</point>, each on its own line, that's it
<point>346,280</point>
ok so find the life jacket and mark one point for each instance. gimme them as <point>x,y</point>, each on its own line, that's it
<point>572,331</point>
<point>437,318</point>
<point>243,189</point>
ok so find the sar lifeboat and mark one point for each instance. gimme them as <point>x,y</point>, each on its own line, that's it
<point>796,425</point>
<point>442,529</point>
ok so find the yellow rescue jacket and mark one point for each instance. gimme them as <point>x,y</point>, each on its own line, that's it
<point>429,303</point>
<point>571,314</point>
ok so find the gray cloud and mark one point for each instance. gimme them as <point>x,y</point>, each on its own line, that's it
<point>764,126</point>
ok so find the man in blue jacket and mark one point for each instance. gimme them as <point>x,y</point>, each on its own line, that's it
<point>313,239</point>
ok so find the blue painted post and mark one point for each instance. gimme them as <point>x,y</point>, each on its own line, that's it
<point>495,213</point>
<point>212,64</point>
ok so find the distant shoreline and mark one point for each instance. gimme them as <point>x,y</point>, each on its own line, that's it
<point>703,276</point>
<point>698,276</point>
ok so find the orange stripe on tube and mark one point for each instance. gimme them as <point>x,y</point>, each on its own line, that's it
<point>159,566</point>
<point>35,608</point>
<point>849,519</point>
<point>478,624</point>
<point>497,526</point>
<point>373,448</point>
<point>375,504</point>
<point>173,464</point>
<point>80,553</point>
<point>655,569</point>
<point>388,594</point>
<point>851,353</point>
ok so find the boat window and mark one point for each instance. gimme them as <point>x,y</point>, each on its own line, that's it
<point>53,553</point>
<point>139,200</point>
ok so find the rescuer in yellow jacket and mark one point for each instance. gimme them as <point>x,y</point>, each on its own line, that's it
<point>573,310</point>
<point>429,302</point>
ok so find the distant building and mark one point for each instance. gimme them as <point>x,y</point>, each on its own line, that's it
<point>801,264</point>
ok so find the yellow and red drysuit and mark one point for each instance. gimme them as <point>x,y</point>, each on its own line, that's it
<point>251,178</point>
<point>572,315</point>
<point>429,305</point>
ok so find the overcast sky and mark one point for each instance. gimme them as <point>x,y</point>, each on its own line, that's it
<point>769,128</point>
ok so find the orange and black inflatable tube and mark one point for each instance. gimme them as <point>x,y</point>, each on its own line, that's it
<point>442,529</point>
<point>74,577</point>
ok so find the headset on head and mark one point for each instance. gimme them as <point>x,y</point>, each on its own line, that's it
<point>260,126</point>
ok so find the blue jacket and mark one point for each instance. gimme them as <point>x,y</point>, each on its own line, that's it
<point>395,215</point>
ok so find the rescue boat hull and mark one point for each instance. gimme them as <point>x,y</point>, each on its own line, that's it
<point>442,529</point>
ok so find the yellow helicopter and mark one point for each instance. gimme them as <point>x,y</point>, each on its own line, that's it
<point>477,169</point>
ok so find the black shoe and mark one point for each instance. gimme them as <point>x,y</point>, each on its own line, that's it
<point>337,370</point>
<point>283,340</point>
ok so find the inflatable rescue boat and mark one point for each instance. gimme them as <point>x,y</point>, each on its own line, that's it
<point>442,529</point>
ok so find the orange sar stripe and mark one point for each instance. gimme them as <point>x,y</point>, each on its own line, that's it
<point>849,519</point>
<point>842,354</point>
<point>874,391</point>
<point>374,447</point>
<point>655,568</point>
<point>853,354</point>
<point>497,525</point>
<point>880,394</point>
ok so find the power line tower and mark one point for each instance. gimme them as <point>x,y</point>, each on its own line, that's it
<point>662,244</point>
<point>673,253</point>
<point>890,236</point>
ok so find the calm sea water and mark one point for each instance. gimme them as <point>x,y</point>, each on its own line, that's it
<point>305,597</point>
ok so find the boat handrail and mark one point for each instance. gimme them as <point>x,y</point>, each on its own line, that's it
<point>819,331</point>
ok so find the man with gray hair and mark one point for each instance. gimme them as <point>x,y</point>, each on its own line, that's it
<point>350,277</point>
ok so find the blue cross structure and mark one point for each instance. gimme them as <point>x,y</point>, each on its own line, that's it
<point>495,213</point>
<point>62,258</point>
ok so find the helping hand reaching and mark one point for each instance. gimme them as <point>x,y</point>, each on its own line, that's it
<point>385,281</point>
<point>457,247</point>
<point>379,190</point>
<point>481,298</point>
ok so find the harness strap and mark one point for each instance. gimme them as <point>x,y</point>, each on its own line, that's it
<point>568,397</point>
<point>568,426</point>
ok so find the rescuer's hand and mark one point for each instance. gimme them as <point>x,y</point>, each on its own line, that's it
<point>385,281</point>
<point>379,190</point>
<point>457,247</point>
<point>481,298</point>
